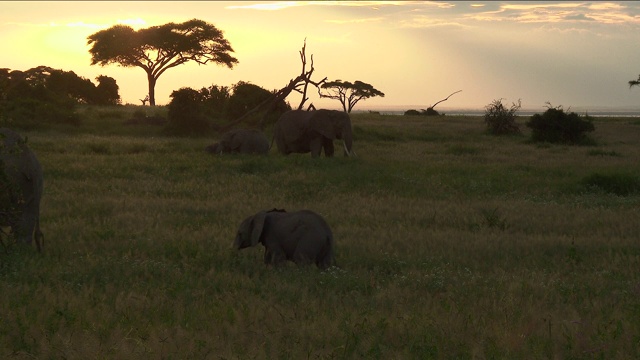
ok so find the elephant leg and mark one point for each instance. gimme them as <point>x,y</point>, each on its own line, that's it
<point>28,223</point>
<point>316,146</point>
<point>327,144</point>
<point>274,257</point>
<point>301,259</point>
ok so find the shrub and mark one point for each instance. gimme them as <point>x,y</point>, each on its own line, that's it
<point>424,112</point>
<point>556,126</point>
<point>621,184</point>
<point>186,113</point>
<point>246,97</point>
<point>500,120</point>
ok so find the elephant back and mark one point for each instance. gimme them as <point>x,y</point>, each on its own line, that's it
<point>293,124</point>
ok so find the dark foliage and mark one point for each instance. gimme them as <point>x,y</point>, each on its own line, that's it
<point>44,95</point>
<point>186,115</point>
<point>412,112</point>
<point>140,117</point>
<point>423,112</point>
<point>106,92</point>
<point>247,96</point>
<point>500,120</point>
<point>348,93</point>
<point>621,184</point>
<point>556,126</point>
<point>192,112</point>
<point>159,48</point>
<point>215,101</point>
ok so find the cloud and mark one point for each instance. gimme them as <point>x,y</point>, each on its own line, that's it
<point>269,6</point>
<point>356,21</point>
<point>423,21</point>
<point>606,6</point>
<point>279,5</point>
<point>606,13</point>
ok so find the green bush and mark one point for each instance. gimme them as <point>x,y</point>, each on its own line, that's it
<point>186,115</point>
<point>621,184</point>
<point>556,126</point>
<point>29,113</point>
<point>500,120</point>
<point>246,97</point>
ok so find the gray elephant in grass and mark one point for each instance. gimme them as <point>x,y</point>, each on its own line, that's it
<point>241,141</point>
<point>301,236</point>
<point>20,188</point>
<point>299,131</point>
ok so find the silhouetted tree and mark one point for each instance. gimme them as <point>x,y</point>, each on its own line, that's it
<point>186,115</point>
<point>216,99</point>
<point>107,91</point>
<point>247,96</point>
<point>158,48</point>
<point>349,93</point>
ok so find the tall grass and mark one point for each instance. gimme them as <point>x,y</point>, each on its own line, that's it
<point>450,244</point>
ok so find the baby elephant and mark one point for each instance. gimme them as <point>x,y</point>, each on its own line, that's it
<point>302,237</point>
<point>240,141</point>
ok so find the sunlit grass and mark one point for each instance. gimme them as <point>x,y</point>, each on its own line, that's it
<point>450,244</point>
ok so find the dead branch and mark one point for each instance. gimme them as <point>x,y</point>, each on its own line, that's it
<point>301,81</point>
<point>445,99</point>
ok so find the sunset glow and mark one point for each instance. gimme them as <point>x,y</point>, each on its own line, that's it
<point>576,54</point>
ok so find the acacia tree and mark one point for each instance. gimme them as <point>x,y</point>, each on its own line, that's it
<point>349,93</point>
<point>158,48</point>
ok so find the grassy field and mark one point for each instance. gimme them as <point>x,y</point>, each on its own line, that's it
<point>451,244</point>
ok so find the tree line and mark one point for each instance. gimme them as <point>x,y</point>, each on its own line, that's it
<point>44,94</point>
<point>159,48</point>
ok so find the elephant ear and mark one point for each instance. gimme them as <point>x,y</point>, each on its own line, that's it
<point>257,225</point>
<point>329,123</point>
<point>235,140</point>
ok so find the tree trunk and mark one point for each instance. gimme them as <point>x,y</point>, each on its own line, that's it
<point>152,89</point>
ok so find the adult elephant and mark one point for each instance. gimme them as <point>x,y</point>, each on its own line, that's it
<point>241,141</point>
<point>300,236</point>
<point>299,131</point>
<point>21,183</point>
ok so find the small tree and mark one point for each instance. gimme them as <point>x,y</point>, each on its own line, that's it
<point>107,91</point>
<point>349,94</point>
<point>159,48</point>
<point>186,113</point>
<point>556,126</point>
<point>500,120</point>
<point>216,99</point>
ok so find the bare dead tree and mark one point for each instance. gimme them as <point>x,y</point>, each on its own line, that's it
<point>299,84</point>
<point>431,111</point>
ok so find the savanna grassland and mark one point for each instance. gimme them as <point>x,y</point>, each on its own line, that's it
<point>451,243</point>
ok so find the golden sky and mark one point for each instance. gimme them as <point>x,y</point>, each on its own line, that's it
<point>575,54</point>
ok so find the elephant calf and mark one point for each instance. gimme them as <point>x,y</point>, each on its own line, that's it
<point>301,236</point>
<point>241,141</point>
<point>20,188</point>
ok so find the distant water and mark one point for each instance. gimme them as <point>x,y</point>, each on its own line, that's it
<point>523,112</point>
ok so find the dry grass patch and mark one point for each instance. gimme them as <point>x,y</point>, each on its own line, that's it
<point>450,243</point>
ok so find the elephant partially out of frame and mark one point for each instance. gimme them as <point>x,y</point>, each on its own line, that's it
<point>301,236</point>
<point>299,131</point>
<point>21,186</point>
<point>241,141</point>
